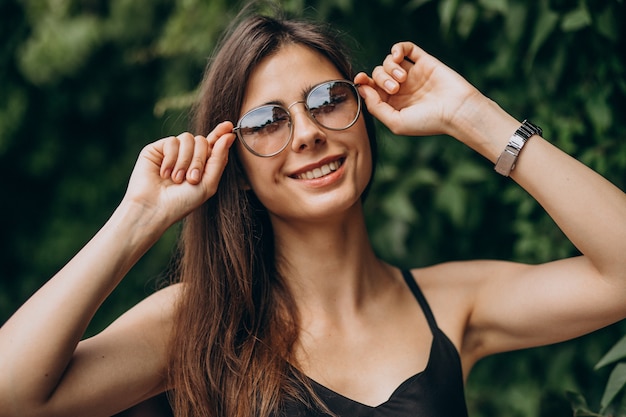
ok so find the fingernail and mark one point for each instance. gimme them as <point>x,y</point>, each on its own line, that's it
<point>390,85</point>
<point>398,73</point>
<point>195,175</point>
<point>180,175</point>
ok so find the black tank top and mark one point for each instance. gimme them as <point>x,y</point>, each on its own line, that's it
<point>437,391</point>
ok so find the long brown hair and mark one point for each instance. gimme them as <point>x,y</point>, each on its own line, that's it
<point>237,323</point>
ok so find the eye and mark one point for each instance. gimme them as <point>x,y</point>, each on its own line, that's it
<point>323,109</point>
<point>267,128</point>
<point>264,121</point>
<point>275,125</point>
<point>329,98</point>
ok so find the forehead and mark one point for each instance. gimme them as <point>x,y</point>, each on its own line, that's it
<point>284,75</point>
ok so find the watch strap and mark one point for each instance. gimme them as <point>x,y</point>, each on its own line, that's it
<point>508,158</point>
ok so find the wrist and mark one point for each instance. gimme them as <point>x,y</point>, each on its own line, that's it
<point>508,158</point>
<point>139,223</point>
<point>484,126</point>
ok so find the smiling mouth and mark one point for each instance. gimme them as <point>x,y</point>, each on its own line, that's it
<point>320,171</point>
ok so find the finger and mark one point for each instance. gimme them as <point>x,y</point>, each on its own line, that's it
<point>377,105</point>
<point>363,79</point>
<point>369,91</point>
<point>384,80</point>
<point>219,130</point>
<point>185,155</point>
<point>406,50</point>
<point>217,160</point>
<point>375,98</point>
<point>170,155</point>
<point>396,70</point>
<point>200,154</point>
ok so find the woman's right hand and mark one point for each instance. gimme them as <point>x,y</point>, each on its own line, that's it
<point>126,362</point>
<point>175,175</point>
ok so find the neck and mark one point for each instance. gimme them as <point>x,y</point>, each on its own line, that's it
<point>330,266</point>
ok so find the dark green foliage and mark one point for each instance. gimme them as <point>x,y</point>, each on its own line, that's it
<point>85,84</point>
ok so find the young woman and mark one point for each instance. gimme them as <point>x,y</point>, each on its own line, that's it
<point>282,306</point>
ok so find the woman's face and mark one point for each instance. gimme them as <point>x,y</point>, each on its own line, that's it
<point>289,184</point>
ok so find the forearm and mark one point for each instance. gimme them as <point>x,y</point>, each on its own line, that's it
<point>37,343</point>
<point>588,208</point>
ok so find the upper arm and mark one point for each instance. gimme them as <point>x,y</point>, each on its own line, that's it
<point>486,307</point>
<point>121,366</point>
<point>514,306</point>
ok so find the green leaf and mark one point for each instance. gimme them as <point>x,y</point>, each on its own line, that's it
<point>13,106</point>
<point>500,6</point>
<point>415,4</point>
<point>577,400</point>
<point>423,176</point>
<point>599,110</point>
<point>579,405</point>
<point>59,48</point>
<point>606,23</point>
<point>513,29</point>
<point>469,172</point>
<point>545,25</point>
<point>451,198</point>
<point>616,382</point>
<point>617,352</point>
<point>447,10</point>
<point>621,407</point>
<point>467,17</point>
<point>399,206</point>
<point>586,413</point>
<point>576,19</point>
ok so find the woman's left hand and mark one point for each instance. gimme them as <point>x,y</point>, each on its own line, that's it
<point>415,94</point>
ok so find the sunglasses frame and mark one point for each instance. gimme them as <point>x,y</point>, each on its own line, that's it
<point>237,129</point>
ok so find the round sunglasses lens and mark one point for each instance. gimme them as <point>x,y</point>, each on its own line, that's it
<point>265,130</point>
<point>334,105</point>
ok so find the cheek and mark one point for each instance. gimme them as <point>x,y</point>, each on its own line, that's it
<point>257,173</point>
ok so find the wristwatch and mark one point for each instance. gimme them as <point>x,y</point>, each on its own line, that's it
<point>507,159</point>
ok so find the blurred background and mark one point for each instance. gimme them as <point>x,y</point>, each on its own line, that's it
<point>85,84</point>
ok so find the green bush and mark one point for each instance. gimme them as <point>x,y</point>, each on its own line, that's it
<point>86,84</point>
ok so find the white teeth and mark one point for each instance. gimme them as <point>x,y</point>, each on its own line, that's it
<point>321,171</point>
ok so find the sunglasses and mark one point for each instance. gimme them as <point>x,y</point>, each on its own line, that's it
<point>267,130</point>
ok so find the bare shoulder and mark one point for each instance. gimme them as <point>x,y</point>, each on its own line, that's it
<point>457,283</point>
<point>462,278</point>
<point>452,288</point>
<point>448,288</point>
<point>487,307</point>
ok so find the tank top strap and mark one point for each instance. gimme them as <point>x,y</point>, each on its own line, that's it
<point>415,289</point>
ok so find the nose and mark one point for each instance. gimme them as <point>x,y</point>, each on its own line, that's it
<point>307,134</point>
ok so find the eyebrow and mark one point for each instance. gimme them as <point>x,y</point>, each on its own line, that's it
<point>273,102</point>
<point>303,93</point>
<point>307,89</point>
